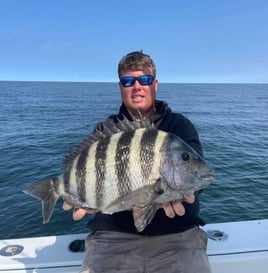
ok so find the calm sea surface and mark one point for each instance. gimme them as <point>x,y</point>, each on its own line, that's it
<point>40,122</point>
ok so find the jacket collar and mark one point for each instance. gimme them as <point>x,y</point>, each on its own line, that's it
<point>162,109</point>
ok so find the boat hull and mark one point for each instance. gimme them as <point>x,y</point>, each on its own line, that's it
<point>232,247</point>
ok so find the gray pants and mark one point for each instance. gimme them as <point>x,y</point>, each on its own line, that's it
<point>116,252</point>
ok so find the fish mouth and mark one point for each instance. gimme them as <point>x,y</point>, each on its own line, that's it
<point>206,179</point>
<point>206,175</point>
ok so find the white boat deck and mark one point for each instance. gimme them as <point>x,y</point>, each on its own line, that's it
<point>235,247</point>
<point>244,250</point>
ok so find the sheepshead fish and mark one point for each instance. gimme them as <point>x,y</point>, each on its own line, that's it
<point>125,167</point>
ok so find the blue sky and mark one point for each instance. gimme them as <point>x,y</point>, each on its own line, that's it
<point>192,41</point>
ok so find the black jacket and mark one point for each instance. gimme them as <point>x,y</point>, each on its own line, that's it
<point>164,119</point>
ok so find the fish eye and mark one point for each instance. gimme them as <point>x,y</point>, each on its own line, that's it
<point>185,156</point>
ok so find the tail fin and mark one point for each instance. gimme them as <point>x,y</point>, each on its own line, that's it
<point>45,191</point>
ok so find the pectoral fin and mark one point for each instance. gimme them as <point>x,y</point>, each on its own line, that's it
<point>141,197</point>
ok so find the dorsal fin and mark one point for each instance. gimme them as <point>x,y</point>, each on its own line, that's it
<point>129,125</point>
<point>106,129</point>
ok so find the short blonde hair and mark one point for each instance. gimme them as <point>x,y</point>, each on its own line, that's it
<point>136,60</point>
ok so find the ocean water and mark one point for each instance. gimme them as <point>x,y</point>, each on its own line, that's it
<point>40,122</point>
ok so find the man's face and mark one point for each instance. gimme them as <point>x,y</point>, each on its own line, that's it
<point>139,98</point>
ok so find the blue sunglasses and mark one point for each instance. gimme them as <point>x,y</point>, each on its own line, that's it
<point>143,80</point>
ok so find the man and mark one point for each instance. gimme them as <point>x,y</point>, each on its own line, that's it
<point>172,242</point>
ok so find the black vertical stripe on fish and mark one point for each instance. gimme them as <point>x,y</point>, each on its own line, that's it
<point>55,182</point>
<point>147,153</point>
<point>66,180</point>
<point>80,174</point>
<point>100,167</point>
<point>122,156</point>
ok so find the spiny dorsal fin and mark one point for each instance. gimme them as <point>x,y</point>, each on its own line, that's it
<point>129,125</point>
<point>106,129</point>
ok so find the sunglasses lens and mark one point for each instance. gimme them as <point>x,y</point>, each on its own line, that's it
<point>127,81</point>
<point>146,79</point>
<point>143,80</point>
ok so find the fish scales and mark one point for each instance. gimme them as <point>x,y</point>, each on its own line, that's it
<point>71,184</point>
<point>135,164</point>
<point>81,174</point>
<point>153,143</point>
<point>66,180</point>
<point>100,169</point>
<point>110,183</point>
<point>147,152</point>
<point>159,150</point>
<point>122,163</point>
<point>91,180</point>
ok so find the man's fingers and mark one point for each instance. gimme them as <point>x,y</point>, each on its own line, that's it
<point>67,206</point>
<point>178,207</point>
<point>169,210</point>
<point>173,208</point>
<point>78,214</point>
<point>190,199</point>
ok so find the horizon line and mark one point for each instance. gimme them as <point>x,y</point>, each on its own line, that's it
<point>164,82</point>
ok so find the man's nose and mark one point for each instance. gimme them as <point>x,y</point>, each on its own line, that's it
<point>137,84</point>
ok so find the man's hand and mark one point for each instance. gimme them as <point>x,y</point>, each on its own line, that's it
<point>176,207</point>
<point>78,213</point>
